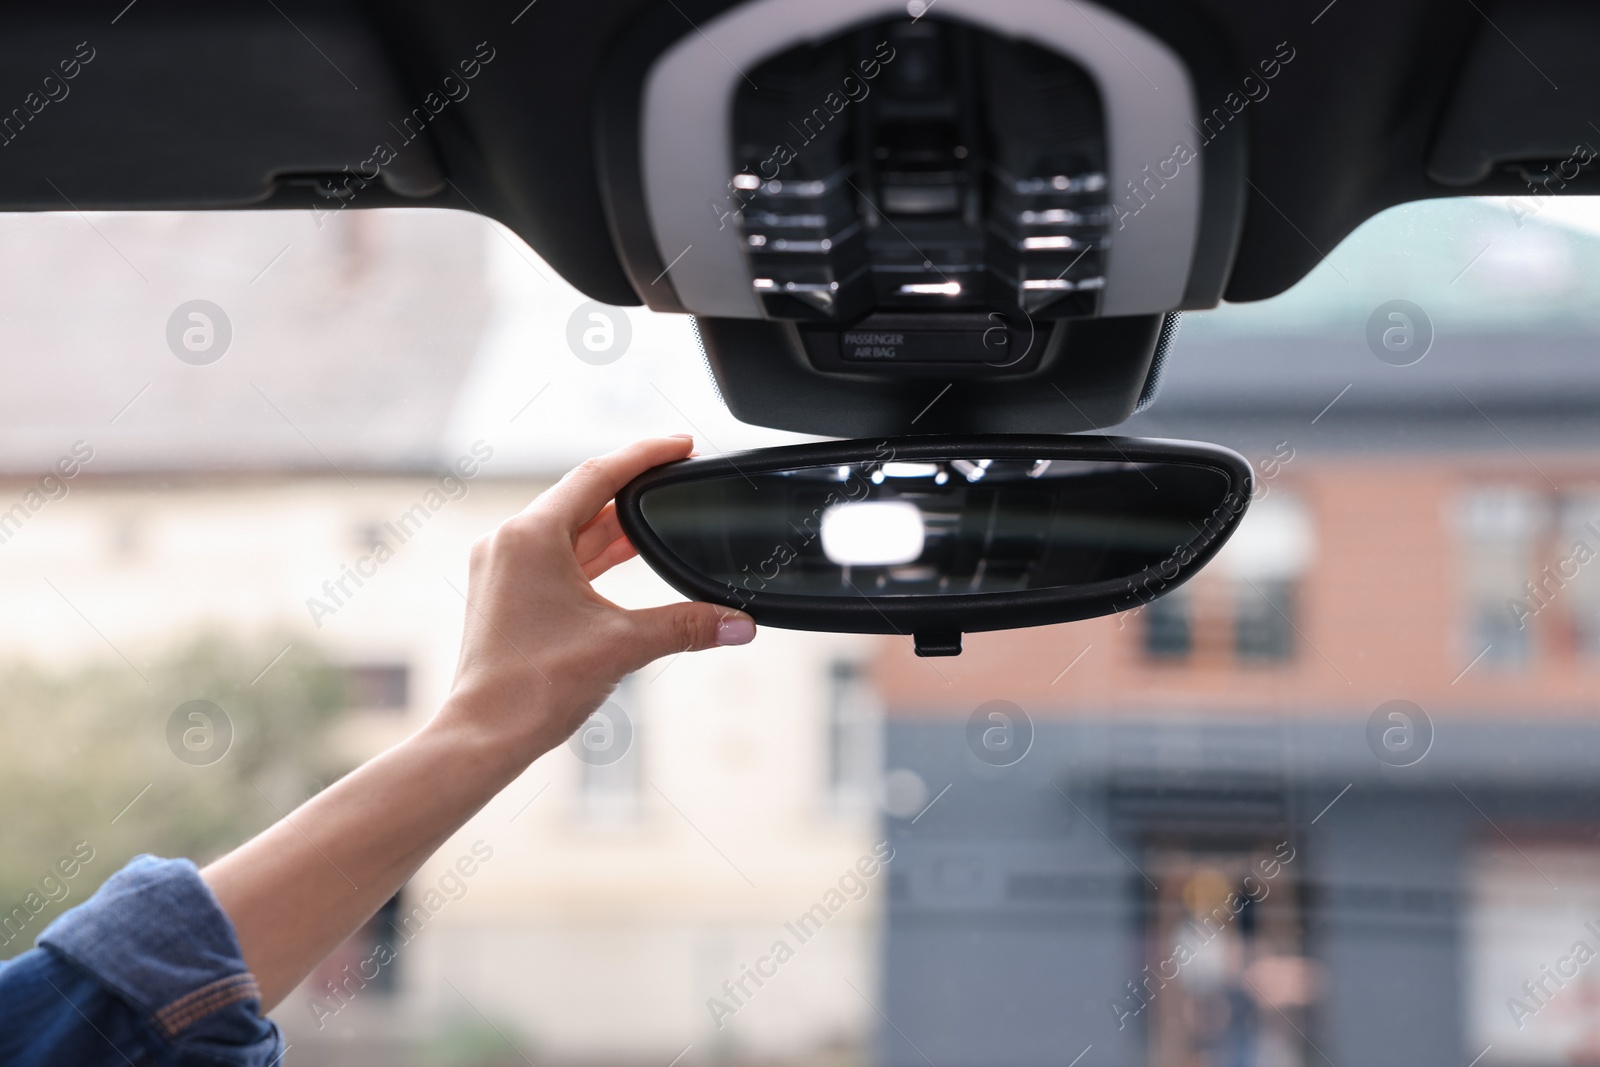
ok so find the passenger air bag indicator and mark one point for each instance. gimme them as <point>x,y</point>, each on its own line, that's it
<point>964,344</point>
<point>924,346</point>
<point>873,345</point>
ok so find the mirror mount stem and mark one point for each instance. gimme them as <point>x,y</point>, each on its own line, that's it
<point>938,642</point>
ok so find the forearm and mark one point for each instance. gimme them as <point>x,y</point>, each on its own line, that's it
<point>541,651</point>
<point>304,885</point>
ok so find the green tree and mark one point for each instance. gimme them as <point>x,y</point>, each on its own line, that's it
<point>85,759</point>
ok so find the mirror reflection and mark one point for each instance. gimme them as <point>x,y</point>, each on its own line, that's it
<point>938,527</point>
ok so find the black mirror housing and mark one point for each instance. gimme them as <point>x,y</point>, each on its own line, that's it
<point>941,535</point>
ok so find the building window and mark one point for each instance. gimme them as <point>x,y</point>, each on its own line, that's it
<point>1245,607</point>
<point>1262,627</point>
<point>1266,560</point>
<point>377,687</point>
<point>1168,626</point>
<point>1527,993</point>
<point>610,774</point>
<point>363,968</point>
<point>1531,575</point>
<point>1577,563</point>
<point>127,537</point>
<point>1502,531</point>
<point>854,737</point>
<point>367,535</point>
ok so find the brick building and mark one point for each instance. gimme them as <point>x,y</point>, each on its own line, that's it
<point>1205,832</point>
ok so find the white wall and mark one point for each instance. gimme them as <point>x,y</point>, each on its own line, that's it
<point>583,940</point>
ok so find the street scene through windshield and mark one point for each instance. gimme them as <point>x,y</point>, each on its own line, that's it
<point>1329,803</point>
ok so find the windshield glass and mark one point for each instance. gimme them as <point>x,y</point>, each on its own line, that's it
<point>1331,802</point>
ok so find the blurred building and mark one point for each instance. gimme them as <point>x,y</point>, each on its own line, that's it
<point>404,379</point>
<point>1350,880</point>
<point>1333,802</point>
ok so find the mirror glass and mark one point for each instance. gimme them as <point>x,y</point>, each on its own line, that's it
<point>938,527</point>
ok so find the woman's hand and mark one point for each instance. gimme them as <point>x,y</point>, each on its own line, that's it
<point>542,650</point>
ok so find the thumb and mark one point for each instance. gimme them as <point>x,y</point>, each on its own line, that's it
<point>674,628</point>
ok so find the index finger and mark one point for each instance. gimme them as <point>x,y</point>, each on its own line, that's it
<point>584,490</point>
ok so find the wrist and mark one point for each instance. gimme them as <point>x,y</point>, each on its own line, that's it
<point>499,733</point>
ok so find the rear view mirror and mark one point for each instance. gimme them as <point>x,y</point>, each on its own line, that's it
<point>937,536</point>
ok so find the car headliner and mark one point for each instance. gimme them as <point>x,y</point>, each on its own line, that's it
<point>189,105</point>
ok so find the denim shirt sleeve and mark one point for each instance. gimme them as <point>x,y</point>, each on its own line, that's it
<point>147,971</point>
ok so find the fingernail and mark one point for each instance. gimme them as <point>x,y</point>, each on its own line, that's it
<point>736,630</point>
<point>684,436</point>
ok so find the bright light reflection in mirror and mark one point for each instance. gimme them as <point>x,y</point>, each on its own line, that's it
<point>873,533</point>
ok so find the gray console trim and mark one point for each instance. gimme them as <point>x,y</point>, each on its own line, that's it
<point>686,145</point>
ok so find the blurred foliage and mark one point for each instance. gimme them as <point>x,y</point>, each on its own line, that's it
<point>476,1042</point>
<point>78,745</point>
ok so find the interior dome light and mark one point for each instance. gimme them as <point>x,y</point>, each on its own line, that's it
<point>872,533</point>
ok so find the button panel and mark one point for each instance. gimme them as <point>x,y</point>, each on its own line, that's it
<point>921,166</point>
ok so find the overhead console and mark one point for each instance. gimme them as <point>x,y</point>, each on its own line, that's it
<point>864,203</point>
<point>921,167</point>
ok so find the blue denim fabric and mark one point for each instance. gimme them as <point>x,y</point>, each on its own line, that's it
<point>147,972</point>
